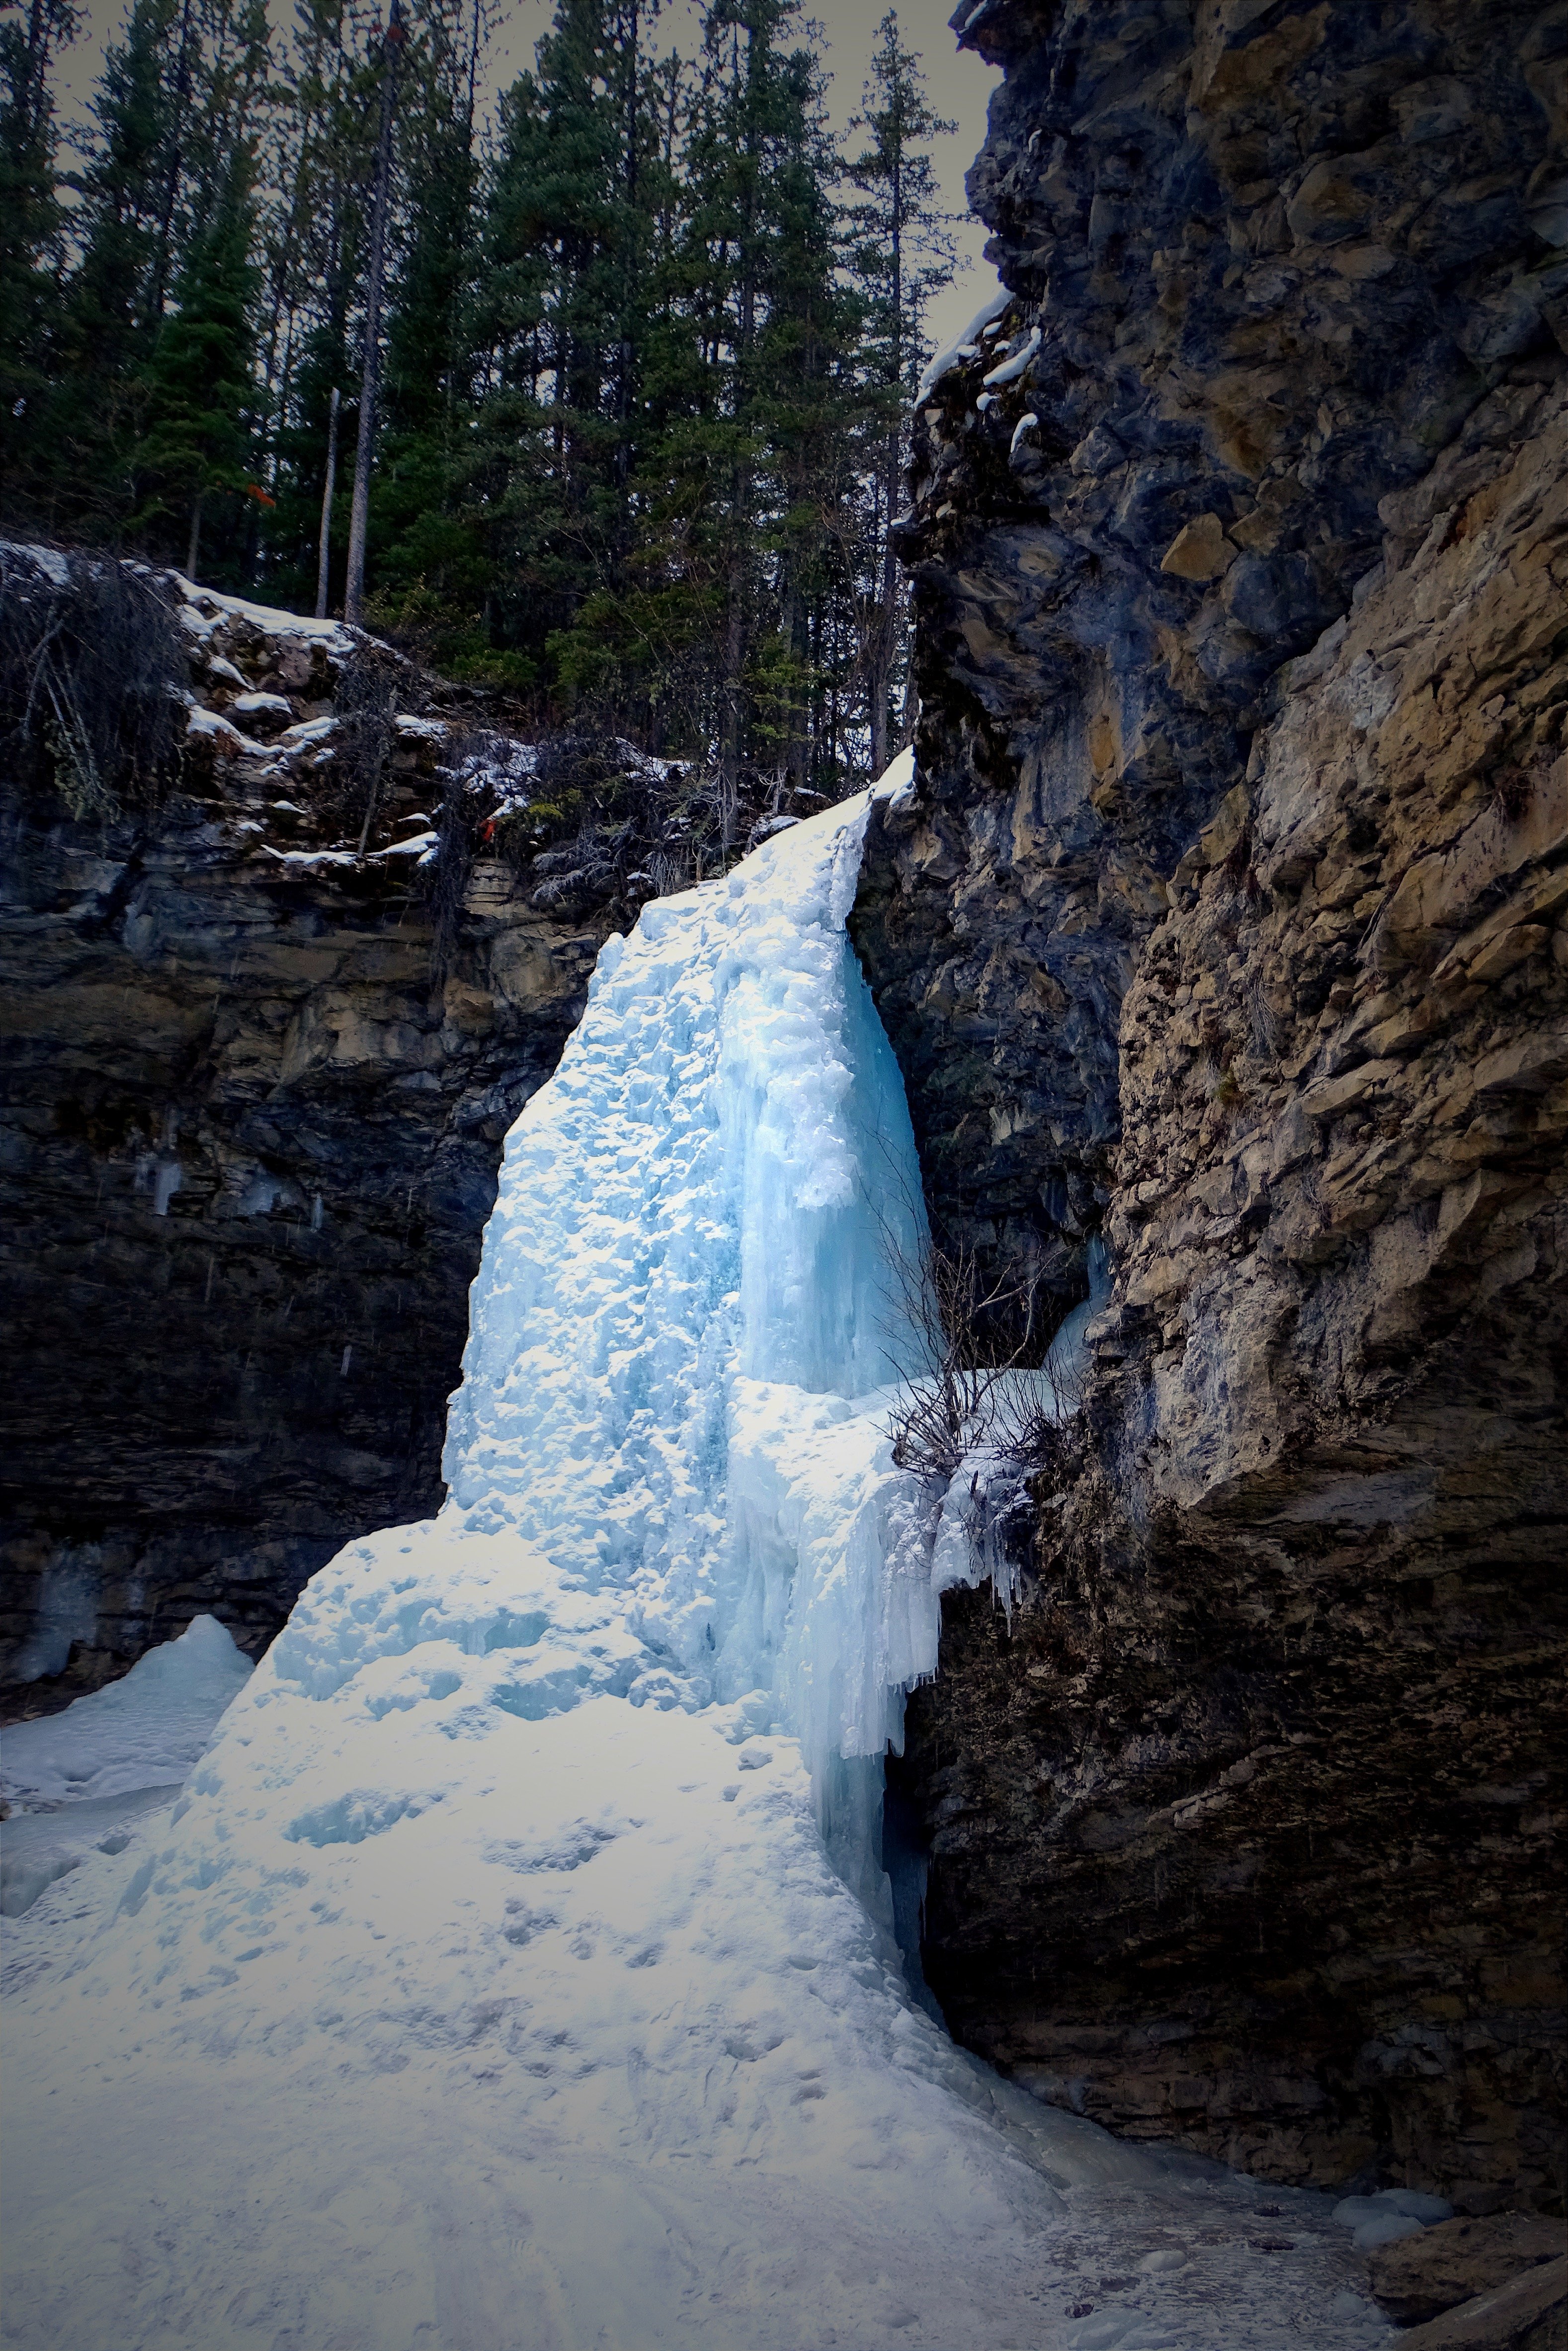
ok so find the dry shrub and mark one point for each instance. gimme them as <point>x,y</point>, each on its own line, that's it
<point>93,668</point>
<point>985,1378</point>
<point>363,707</point>
<point>444,883</point>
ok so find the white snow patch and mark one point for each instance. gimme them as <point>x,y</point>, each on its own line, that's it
<point>54,566</point>
<point>305,731</point>
<point>305,857</point>
<point>205,609</point>
<point>896,782</point>
<point>1383,2218</point>
<point>418,846</point>
<point>1010,370</point>
<point>224,731</point>
<point>991,308</point>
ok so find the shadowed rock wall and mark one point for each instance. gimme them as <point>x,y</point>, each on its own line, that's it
<point>251,1137</point>
<point>1228,922</point>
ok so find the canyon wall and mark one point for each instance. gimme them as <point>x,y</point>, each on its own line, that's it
<point>254,1114</point>
<point>1225,925</point>
<point>1228,923</point>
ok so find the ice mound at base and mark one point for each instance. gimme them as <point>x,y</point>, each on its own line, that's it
<point>491,1987</point>
<point>142,1731</point>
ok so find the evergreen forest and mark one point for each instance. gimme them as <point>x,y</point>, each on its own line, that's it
<point>594,395</point>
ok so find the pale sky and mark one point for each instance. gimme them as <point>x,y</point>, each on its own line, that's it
<point>958,85</point>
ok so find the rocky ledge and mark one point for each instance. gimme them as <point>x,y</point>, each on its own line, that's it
<point>1229,923</point>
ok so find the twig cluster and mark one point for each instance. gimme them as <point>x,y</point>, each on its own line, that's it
<point>985,1378</point>
<point>92,671</point>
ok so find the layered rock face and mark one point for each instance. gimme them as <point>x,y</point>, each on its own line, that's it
<point>252,1129</point>
<point>1228,923</point>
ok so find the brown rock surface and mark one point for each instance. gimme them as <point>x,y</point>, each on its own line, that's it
<point>1417,2277</point>
<point>1228,923</point>
<point>1529,2314</point>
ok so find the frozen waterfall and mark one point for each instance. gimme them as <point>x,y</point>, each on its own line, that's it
<point>490,1988</point>
<point>687,1320</point>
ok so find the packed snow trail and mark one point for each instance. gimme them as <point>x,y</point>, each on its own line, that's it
<point>491,1984</point>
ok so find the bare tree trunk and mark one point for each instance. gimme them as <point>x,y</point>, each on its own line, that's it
<point>192,551</point>
<point>325,551</point>
<point>732,689</point>
<point>730,711</point>
<point>370,382</point>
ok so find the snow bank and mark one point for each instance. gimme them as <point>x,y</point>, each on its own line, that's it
<point>37,1849</point>
<point>491,1985</point>
<point>74,1780</point>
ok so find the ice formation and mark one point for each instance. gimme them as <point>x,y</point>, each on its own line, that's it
<point>491,1984</point>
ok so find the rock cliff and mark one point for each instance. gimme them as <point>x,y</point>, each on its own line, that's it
<point>1228,923</point>
<point>254,1112</point>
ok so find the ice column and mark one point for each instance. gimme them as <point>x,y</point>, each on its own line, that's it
<point>690,1307</point>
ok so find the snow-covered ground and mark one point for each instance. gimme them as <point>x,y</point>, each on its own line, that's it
<point>491,1983</point>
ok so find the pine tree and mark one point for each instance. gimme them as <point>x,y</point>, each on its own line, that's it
<point>199,414</point>
<point>85,427</point>
<point>776,330</point>
<point>30,218</point>
<point>903,251</point>
<point>429,559</point>
<point>199,434</point>
<point>313,268</point>
<point>569,293</point>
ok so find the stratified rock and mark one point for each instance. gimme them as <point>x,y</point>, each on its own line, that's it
<point>1460,2260</point>
<point>1229,922</point>
<point>253,1122</point>
<point>1531,2313</point>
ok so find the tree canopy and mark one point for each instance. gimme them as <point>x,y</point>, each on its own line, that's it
<point>646,346</point>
